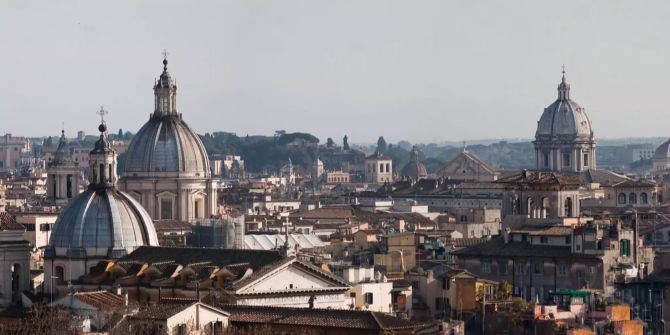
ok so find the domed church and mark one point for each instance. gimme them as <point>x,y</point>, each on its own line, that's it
<point>99,224</point>
<point>564,140</point>
<point>166,165</point>
<point>414,169</point>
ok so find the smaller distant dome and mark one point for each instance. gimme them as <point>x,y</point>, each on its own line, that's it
<point>414,169</point>
<point>663,151</point>
<point>63,154</point>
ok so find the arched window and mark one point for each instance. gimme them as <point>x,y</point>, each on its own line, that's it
<point>632,198</point>
<point>643,198</point>
<point>622,198</point>
<point>60,275</point>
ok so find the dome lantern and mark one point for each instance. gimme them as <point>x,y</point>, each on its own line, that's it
<point>102,159</point>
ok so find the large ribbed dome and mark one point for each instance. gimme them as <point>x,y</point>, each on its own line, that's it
<point>166,146</point>
<point>564,117</point>
<point>103,218</point>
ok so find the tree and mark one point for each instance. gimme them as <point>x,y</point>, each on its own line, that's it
<point>345,142</point>
<point>504,290</point>
<point>330,143</point>
<point>120,134</point>
<point>381,145</point>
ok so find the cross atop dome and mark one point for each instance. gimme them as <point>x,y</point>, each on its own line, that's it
<point>563,87</point>
<point>165,62</point>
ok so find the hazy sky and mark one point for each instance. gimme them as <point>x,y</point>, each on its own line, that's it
<point>416,70</point>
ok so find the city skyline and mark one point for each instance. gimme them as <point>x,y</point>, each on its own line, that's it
<point>431,73</point>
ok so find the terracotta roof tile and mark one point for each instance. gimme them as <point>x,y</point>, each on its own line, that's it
<point>331,318</point>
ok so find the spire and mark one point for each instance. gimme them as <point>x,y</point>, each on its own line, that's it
<point>414,155</point>
<point>563,87</point>
<point>165,62</point>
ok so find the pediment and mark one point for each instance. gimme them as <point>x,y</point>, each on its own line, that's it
<point>292,277</point>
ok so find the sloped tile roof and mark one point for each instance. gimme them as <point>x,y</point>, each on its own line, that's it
<point>101,300</point>
<point>496,247</point>
<point>330,318</point>
<point>220,257</point>
<point>8,222</point>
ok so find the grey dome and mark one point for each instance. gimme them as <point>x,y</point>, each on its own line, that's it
<point>63,154</point>
<point>102,220</point>
<point>564,117</point>
<point>166,144</point>
<point>663,151</point>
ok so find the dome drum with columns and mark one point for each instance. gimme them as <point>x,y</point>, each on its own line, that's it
<point>100,223</point>
<point>564,140</point>
<point>166,166</point>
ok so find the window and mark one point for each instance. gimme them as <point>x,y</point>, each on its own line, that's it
<point>624,248</point>
<point>568,239</point>
<point>464,218</point>
<point>369,298</point>
<point>502,267</point>
<point>29,226</point>
<point>164,104</point>
<point>592,269</point>
<point>166,208</point>
<point>538,268</point>
<point>544,239</point>
<point>546,160</point>
<point>486,266</point>
<point>622,198</point>
<point>644,199</point>
<point>445,283</point>
<point>568,207</point>
<point>45,227</point>
<point>562,269</point>
<point>524,237</point>
<point>352,295</point>
<point>441,304</point>
<point>566,159</point>
<point>632,198</point>
<point>586,160</point>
